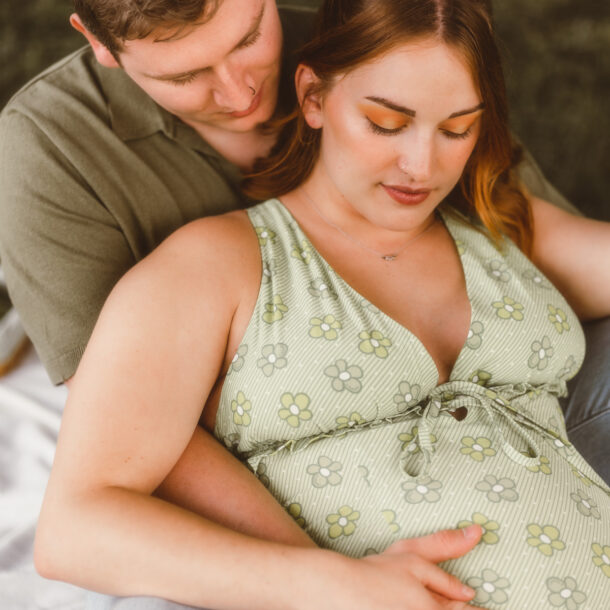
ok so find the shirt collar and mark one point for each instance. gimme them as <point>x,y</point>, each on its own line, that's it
<point>133,113</point>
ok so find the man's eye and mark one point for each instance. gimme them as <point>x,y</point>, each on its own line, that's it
<point>251,40</point>
<point>185,80</point>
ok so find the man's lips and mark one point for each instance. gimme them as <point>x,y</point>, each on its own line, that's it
<point>238,114</point>
<point>406,195</point>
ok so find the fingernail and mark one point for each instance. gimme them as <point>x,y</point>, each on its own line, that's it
<point>468,591</point>
<point>472,531</point>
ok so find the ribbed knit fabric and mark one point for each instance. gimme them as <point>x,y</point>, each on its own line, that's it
<point>336,407</point>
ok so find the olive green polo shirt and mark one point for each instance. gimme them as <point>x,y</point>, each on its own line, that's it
<point>93,176</point>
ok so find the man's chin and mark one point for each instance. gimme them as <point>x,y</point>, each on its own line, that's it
<point>227,122</point>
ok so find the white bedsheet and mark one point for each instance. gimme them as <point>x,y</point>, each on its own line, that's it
<point>30,411</point>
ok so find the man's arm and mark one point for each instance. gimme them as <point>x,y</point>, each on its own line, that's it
<point>61,249</point>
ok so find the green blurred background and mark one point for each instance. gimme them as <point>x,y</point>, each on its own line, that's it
<point>557,64</point>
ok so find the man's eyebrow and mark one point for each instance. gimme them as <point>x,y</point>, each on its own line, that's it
<point>256,22</point>
<point>411,113</point>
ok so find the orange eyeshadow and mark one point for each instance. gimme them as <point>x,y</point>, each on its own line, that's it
<point>383,117</point>
<point>460,126</point>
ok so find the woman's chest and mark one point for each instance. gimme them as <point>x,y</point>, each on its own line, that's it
<point>318,353</point>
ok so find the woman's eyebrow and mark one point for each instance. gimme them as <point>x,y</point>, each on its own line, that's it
<point>411,113</point>
<point>391,105</point>
<point>467,111</point>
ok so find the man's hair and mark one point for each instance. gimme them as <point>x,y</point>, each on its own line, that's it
<point>113,22</point>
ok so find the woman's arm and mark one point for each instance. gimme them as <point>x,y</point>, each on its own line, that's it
<point>134,403</point>
<point>574,253</point>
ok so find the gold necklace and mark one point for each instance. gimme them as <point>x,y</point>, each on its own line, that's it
<point>386,257</point>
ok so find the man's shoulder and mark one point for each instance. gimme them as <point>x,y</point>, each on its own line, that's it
<point>73,75</point>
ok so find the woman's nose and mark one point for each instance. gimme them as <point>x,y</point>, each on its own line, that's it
<point>416,159</point>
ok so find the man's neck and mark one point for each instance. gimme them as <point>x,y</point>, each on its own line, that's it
<point>241,149</point>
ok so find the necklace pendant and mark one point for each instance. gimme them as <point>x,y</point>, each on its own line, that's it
<point>389,257</point>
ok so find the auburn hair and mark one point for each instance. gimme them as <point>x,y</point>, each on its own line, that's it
<point>350,33</point>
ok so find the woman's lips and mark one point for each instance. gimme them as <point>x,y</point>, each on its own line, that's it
<point>238,114</point>
<point>406,195</point>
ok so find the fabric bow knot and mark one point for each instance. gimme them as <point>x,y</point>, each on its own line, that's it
<point>495,403</point>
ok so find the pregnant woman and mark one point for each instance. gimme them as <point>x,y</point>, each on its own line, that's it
<point>384,343</point>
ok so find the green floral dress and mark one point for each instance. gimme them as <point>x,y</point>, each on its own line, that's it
<point>336,407</point>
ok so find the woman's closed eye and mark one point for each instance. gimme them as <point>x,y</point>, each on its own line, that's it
<point>457,135</point>
<point>387,128</point>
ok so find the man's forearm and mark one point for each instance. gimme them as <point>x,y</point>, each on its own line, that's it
<point>211,482</point>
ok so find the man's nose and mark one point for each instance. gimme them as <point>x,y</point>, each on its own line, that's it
<point>232,91</point>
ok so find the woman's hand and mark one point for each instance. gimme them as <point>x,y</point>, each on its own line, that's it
<point>404,577</point>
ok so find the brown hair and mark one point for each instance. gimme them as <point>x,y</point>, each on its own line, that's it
<point>114,21</point>
<point>353,32</point>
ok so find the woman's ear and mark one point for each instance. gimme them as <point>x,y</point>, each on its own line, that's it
<point>101,52</point>
<point>310,101</point>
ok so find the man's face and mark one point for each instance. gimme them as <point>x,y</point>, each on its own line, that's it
<point>223,73</point>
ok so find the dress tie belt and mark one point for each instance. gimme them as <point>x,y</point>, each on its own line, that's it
<point>495,403</point>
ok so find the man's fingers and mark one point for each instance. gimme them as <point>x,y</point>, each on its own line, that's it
<point>440,546</point>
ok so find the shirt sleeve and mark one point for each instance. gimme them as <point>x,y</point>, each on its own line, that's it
<point>61,249</point>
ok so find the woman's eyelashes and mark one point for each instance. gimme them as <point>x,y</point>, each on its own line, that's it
<point>388,130</point>
<point>453,135</point>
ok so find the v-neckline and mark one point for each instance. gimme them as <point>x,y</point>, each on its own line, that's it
<point>402,328</point>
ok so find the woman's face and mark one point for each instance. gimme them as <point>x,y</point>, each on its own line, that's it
<point>397,133</point>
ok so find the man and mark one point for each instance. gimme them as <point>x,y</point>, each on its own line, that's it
<point>110,150</point>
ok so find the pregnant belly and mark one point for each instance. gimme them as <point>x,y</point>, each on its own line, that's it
<point>543,519</point>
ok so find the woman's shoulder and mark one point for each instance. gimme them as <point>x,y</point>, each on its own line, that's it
<point>227,241</point>
<point>229,229</point>
<point>216,255</point>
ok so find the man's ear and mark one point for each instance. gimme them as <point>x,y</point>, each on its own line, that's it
<point>102,54</point>
<point>310,102</point>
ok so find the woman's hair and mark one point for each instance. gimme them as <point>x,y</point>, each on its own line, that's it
<point>113,22</point>
<point>353,32</point>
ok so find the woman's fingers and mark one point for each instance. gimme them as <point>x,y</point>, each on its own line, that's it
<point>438,581</point>
<point>422,554</point>
<point>440,546</point>
<point>451,604</point>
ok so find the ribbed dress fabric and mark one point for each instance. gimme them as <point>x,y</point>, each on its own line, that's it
<point>335,406</point>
